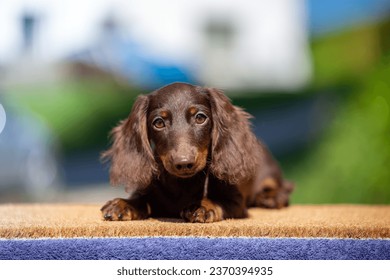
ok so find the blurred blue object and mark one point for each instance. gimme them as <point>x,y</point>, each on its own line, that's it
<point>127,59</point>
<point>28,156</point>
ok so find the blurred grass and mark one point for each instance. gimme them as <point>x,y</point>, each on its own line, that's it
<point>351,163</point>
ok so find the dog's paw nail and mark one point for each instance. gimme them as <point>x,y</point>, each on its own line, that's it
<point>120,216</point>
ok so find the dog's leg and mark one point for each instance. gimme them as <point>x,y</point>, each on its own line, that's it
<point>120,209</point>
<point>273,194</point>
<point>223,202</point>
<point>206,211</point>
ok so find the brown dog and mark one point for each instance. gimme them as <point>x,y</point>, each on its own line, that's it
<point>187,151</point>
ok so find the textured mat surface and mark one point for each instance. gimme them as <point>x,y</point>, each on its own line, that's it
<point>196,248</point>
<point>68,221</point>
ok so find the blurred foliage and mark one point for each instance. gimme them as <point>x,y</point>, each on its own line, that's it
<point>351,163</point>
<point>345,56</point>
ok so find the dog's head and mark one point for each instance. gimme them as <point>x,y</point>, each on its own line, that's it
<point>179,122</point>
<point>182,129</point>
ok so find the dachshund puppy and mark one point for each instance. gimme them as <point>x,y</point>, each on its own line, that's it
<point>186,151</point>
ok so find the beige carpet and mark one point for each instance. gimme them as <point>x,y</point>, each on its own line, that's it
<point>71,220</point>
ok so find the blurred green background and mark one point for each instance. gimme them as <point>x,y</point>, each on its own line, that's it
<point>350,162</point>
<point>345,156</point>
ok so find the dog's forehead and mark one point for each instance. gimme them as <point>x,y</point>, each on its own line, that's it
<point>178,96</point>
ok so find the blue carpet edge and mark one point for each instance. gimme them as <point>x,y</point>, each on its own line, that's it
<point>194,248</point>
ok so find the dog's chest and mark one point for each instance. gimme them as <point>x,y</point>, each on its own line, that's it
<point>170,200</point>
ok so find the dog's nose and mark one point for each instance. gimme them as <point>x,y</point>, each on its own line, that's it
<point>184,164</point>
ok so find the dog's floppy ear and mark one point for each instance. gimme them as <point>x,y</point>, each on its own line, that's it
<point>234,148</point>
<point>132,160</point>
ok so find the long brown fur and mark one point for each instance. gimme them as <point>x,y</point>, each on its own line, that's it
<point>172,140</point>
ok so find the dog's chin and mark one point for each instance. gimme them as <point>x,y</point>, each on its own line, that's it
<point>184,174</point>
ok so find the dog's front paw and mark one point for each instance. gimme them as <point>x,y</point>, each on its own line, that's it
<point>118,209</point>
<point>206,212</point>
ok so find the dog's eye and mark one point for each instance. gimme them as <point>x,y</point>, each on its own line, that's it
<point>159,123</point>
<point>200,118</point>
